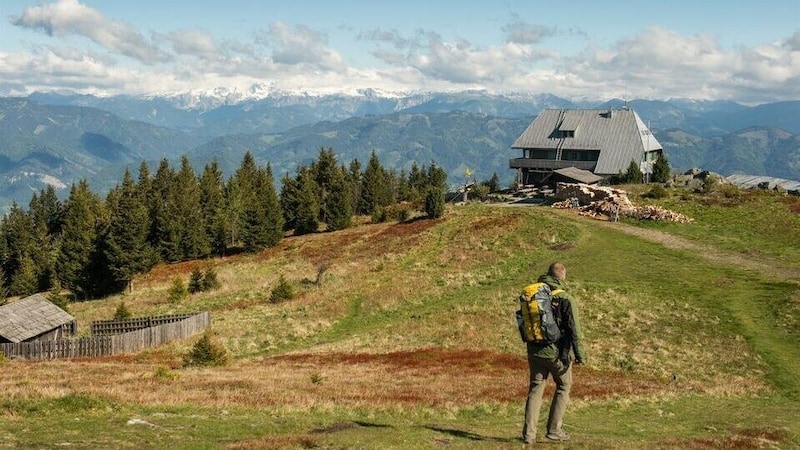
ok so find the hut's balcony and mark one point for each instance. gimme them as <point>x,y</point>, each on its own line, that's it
<point>549,164</point>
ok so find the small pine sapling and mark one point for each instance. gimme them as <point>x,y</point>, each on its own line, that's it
<point>196,281</point>
<point>282,292</point>
<point>122,312</point>
<point>178,290</point>
<point>206,352</point>
<point>210,280</point>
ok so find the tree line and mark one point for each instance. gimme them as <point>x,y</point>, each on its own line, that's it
<point>91,246</point>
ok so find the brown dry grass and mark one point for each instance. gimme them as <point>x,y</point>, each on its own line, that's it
<point>429,377</point>
<point>474,359</point>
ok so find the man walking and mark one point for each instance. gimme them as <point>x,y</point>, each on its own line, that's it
<point>553,359</point>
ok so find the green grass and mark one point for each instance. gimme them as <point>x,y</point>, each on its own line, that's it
<point>750,222</point>
<point>720,341</point>
<point>617,424</point>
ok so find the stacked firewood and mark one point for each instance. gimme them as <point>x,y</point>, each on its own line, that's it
<point>609,204</point>
<point>651,212</point>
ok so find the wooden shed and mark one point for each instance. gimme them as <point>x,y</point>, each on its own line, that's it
<point>34,318</point>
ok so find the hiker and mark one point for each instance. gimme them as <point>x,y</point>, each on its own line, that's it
<point>614,213</point>
<point>553,359</point>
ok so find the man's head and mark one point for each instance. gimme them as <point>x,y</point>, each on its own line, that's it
<point>557,270</point>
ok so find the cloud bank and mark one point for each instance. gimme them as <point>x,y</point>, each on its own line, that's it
<point>90,53</point>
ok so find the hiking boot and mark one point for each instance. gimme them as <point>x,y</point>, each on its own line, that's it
<point>560,436</point>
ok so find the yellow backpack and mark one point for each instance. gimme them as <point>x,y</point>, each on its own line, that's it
<point>538,315</point>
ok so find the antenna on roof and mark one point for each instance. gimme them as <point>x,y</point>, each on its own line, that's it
<point>625,97</point>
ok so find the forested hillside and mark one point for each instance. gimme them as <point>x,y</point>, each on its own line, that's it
<point>91,246</point>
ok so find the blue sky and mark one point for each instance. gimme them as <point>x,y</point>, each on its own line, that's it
<point>746,51</point>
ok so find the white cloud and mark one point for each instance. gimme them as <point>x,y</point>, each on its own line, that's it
<point>521,32</point>
<point>199,43</point>
<point>66,17</point>
<point>460,61</point>
<point>301,45</point>
<point>658,63</point>
<point>63,68</point>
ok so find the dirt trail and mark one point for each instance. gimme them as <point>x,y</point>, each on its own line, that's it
<point>767,267</point>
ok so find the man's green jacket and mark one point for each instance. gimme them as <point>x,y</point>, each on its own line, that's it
<point>570,328</point>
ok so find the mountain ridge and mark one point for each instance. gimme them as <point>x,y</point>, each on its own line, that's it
<point>59,138</point>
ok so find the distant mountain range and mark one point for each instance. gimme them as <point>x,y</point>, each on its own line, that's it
<point>58,139</point>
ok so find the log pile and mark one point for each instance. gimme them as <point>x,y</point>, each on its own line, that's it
<point>651,212</point>
<point>609,204</point>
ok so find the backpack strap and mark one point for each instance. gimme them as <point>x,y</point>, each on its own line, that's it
<point>557,305</point>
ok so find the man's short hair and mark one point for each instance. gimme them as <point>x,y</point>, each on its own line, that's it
<point>557,270</point>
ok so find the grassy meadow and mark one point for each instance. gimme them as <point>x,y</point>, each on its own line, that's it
<point>401,336</point>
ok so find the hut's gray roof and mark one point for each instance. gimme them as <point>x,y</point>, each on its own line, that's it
<point>620,135</point>
<point>29,317</point>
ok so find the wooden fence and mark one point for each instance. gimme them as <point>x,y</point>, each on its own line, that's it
<point>106,327</point>
<point>111,344</point>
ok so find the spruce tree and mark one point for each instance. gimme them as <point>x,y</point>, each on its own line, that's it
<point>82,212</point>
<point>262,223</point>
<point>144,184</point>
<point>307,204</point>
<point>240,197</point>
<point>193,240</point>
<point>146,192</point>
<point>324,170</point>
<point>437,187</point>
<point>126,248</point>
<point>273,206</point>
<point>196,281</point>
<point>4,290</point>
<point>290,198</point>
<point>122,312</point>
<point>354,177</point>
<point>212,202</point>
<point>661,171</point>
<point>234,211</point>
<point>45,212</point>
<point>210,279</point>
<point>394,181</point>
<point>25,281</point>
<point>17,232</point>
<point>493,183</point>
<point>164,234</point>
<point>403,187</point>
<point>417,184</point>
<point>338,202</point>
<point>375,188</point>
<point>634,174</point>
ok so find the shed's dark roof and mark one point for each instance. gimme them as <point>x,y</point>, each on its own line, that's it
<point>579,175</point>
<point>620,135</point>
<point>29,317</point>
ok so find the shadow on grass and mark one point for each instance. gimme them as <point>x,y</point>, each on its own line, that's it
<point>469,435</point>
<point>341,426</point>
